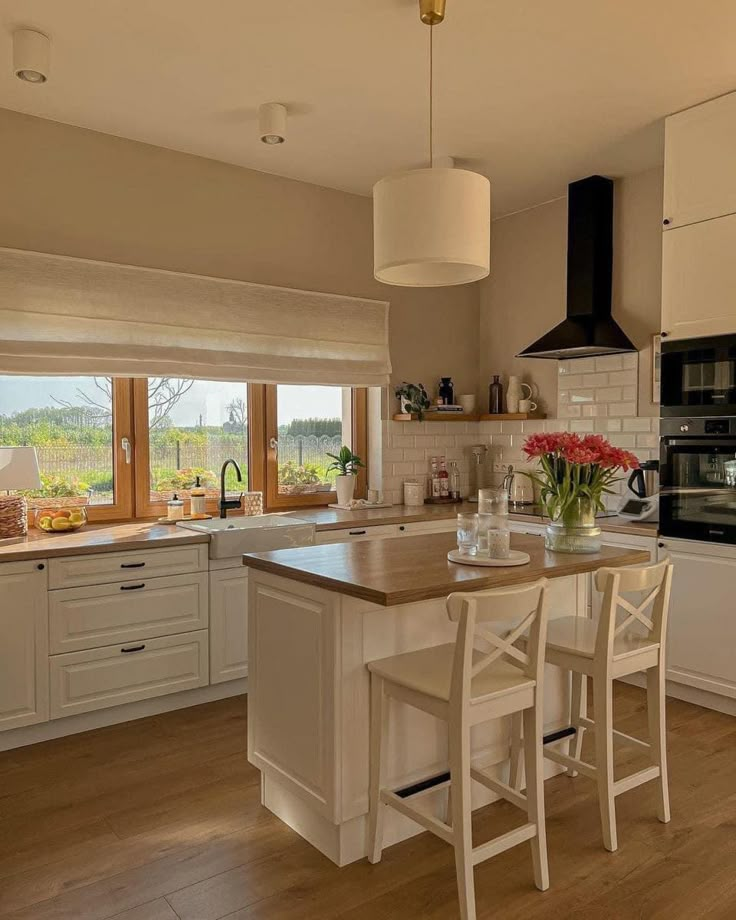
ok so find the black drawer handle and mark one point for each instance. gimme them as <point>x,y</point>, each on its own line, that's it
<point>356,533</point>
<point>133,648</point>
<point>132,587</point>
<point>132,565</point>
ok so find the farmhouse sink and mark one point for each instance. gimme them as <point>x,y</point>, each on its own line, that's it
<point>237,535</point>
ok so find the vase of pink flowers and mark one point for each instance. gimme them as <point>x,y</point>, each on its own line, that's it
<point>573,475</point>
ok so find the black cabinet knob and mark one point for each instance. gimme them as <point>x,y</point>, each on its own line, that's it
<point>666,221</point>
<point>664,334</point>
<point>660,545</point>
<point>40,566</point>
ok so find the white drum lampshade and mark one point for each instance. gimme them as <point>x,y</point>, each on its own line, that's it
<point>18,470</point>
<point>432,227</point>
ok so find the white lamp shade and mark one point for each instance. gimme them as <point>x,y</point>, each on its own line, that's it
<point>432,227</point>
<point>19,468</point>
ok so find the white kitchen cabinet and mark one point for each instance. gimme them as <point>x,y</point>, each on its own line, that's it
<point>228,624</point>
<point>699,174</point>
<point>103,568</point>
<point>24,688</point>
<point>110,676</point>
<point>699,278</point>
<point>701,649</point>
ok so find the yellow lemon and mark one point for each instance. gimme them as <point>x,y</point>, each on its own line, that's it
<point>61,524</point>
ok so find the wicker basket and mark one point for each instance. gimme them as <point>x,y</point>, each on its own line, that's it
<point>13,517</point>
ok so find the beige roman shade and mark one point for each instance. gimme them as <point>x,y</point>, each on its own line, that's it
<point>60,315</point>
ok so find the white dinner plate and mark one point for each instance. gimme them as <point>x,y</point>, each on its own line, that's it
<point>515,557</point>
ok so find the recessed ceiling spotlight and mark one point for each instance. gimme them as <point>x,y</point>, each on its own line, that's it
<point>272,123</point>
<point>31,52</point>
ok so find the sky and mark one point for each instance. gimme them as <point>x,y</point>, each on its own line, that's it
<point>206,398</point>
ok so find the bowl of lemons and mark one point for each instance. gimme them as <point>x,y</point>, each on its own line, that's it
<point>60,520</point>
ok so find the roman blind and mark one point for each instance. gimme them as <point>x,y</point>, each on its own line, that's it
<point>62,315</point>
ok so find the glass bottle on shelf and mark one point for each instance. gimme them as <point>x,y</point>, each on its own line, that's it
<point>435,478</point>
<point>446,391</point>
<point>444,479</point>
<point>495,396</point>
<point>454,481</point>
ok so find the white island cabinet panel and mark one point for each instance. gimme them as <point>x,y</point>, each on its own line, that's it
<point>24,644</point>
<point>228,625</point>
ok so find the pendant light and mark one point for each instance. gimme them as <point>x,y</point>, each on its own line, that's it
<point>432,226</point>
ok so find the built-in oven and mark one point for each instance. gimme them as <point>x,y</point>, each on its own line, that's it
<point>697,473</point>
<point>698,376</point>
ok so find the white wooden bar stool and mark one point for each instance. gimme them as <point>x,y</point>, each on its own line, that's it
<point>604,651</point>
<point>464,686</point>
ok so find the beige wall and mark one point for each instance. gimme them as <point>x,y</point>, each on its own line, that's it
<point>525,293</point>
<point>76,192</point>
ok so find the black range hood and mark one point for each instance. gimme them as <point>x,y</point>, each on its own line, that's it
<point>589,328</point>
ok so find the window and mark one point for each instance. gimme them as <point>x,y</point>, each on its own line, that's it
<point>72,422</point>
<point>186,429</point>
<point>123,447</point>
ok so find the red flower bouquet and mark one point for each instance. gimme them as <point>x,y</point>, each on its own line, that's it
<point>575,470</point>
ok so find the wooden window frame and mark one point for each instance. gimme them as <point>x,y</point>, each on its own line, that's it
<point>268,430</point>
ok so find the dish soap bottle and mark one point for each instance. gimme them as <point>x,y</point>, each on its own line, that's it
<point>175,509</point>
<point>198,499</point>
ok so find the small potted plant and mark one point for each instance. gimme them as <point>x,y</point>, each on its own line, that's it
<point>413,399</point>
<point>346,463</point>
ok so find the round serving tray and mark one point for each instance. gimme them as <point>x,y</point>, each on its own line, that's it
<point>515,557</point>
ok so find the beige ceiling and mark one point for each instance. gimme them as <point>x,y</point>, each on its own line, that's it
<point>534,93</point>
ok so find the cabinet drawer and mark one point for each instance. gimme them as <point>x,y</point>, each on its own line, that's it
<point>110,676</point>
<point>449,525</point>
<point>98,615</point>
<point>357,533</point>
<point>102,568</point>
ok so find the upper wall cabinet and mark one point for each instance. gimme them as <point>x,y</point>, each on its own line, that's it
<point>699,279</point>
<point>700,163</point>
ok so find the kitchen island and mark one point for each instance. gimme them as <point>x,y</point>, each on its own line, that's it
<point>317,614</point>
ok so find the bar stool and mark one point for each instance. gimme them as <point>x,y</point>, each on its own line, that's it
<point>606,651</point>
<point>464,686</point>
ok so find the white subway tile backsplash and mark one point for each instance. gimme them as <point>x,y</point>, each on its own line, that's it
<point>425,440</point>
<point>402,469</point>
<point>595,411</point>
<point>630,393</point>
<point>607,425</point>
<point>569,412</point>
<point>393,453</point>
<point>408,453</point>
<point>401,441</point>
<point>647,440</point>
<point>623,409</point>
<point>637,424</point>
<point>489,428</point>
<point>622,378</point>
<point>631,360</point>
<point>532,425</point>
<point>609,363</point>
<point>570,381</point>
<point>595,380</point>
<point>609,394</point>
<point>513,427</point>
<point>581,396</point>
<point>627,441</point>
<point>556,424</point>
<point>581,425</point>
<point>581,365</point>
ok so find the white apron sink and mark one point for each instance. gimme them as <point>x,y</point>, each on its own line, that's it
<point>258,534</point>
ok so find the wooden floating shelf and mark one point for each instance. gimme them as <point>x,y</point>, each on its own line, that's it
<point>511,416</point>
<point>462,417</point>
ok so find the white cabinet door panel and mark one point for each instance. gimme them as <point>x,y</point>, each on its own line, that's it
<point>701,641</point>
<point>228,625</point>
<point>24,688</point>
<point>699,172</point>
<point>699,279</point>
<point>103,568</point>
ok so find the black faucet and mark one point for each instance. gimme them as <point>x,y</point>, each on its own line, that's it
<point>229,503</point>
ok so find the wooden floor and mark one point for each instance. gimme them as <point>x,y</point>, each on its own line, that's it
<point>160,819</point>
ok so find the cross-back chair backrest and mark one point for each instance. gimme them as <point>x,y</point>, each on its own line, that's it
<point>651,585</point>
<point>490,624</point>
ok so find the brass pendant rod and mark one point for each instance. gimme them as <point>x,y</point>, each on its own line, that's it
<point>431,113</point>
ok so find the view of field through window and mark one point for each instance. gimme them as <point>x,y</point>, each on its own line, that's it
<point>312,423</point>
<point>69,422</point>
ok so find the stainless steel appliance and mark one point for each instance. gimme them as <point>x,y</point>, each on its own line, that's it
<point>698,478</point>
<point>641,499</point>
<point>699,377</point>
<point>519,488</point>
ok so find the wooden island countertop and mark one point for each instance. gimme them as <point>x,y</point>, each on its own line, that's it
<point>408,569</point>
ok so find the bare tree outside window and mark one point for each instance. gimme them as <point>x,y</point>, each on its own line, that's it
<point>163,395</point>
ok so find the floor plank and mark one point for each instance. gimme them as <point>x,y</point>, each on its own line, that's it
<point>160,819</point>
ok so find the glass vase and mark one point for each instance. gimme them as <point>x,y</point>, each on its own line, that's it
<point>574,530</point>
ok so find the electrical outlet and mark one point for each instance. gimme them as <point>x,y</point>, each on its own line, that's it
<point>501,467</point>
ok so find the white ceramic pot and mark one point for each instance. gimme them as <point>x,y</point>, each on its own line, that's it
<point>345,486</point>
<point>513,395</point>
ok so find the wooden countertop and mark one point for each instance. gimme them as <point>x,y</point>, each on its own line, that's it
<point>334,519</point>
<point>98,538</point>
<point>408,569</point>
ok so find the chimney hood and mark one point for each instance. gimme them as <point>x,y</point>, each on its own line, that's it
<point>589,328</point>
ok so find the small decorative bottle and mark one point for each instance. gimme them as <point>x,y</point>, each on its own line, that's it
<point>435,478</point>
<point>446,391</point>
<point>175,509</point>
<point>454,481</point>
<point>495,396</point>
<point>444,479</point>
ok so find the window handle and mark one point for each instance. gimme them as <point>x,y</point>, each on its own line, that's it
<point>128,448</point>
<point>273,444</point>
